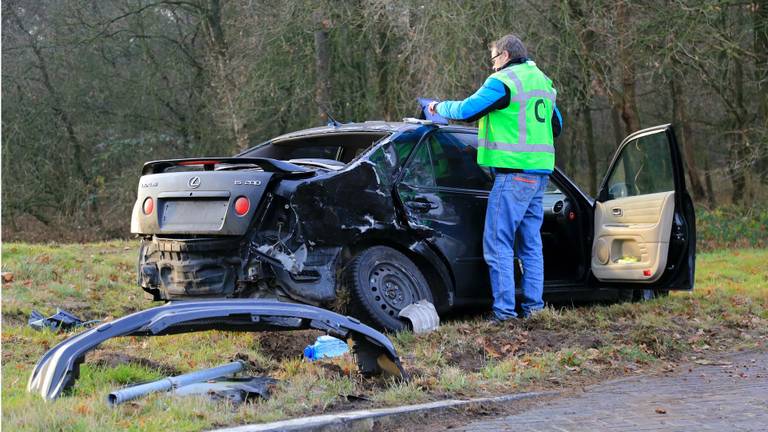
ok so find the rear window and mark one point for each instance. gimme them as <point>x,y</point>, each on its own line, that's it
<point>339,147</point>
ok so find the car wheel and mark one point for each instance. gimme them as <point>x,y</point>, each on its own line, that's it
<point>382,281</point>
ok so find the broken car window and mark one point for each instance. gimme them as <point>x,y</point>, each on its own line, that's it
<point>342,147</point>
<point>385,161</point>
<point>419,171</point>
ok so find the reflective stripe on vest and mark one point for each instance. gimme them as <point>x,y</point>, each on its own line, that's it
<point>520,136</point>
<point>536,148</point>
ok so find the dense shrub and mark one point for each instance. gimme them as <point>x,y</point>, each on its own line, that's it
<point>727,227</point>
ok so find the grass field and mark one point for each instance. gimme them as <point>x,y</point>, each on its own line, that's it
<point>559,348</point>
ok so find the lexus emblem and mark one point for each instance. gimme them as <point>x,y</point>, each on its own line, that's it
<point>194,182</point>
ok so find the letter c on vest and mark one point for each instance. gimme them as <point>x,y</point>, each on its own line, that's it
<point>539,118</point>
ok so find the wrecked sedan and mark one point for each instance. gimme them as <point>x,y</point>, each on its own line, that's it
<point>368,218</point>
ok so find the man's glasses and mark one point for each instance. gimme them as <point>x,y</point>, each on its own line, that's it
<point>494,57</point>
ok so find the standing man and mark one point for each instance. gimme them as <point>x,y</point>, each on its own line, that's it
<point>517,123</point>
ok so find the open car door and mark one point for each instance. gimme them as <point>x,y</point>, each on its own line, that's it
<point>645,227</point>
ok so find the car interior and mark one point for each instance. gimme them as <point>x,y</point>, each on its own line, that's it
<point>561,236</point>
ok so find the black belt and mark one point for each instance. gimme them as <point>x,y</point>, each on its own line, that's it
<point>508,170</point>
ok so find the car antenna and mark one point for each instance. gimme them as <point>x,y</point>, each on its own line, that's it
<point>331,121</point>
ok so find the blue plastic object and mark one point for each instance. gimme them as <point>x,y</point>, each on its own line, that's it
<point>436,118</point>
<point>325,347</point>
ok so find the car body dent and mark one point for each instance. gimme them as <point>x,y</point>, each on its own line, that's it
<point>58,369</point>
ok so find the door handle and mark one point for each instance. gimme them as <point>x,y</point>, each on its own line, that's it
<point>421,205</point>
<point>616,211</point>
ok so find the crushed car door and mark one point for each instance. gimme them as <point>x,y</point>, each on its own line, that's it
<point>644,221</point>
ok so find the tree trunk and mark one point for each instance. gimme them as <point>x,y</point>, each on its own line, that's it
<point>737,149</point>
<point>589,141</point>
<point>680,116</point>
<point>322,67</point>
<point>629,111</point>
<point>761,58</point>
<point>760,23</point>
<point>383,65</point>
<point>227,87</point>
<point>708,182</point>
<point>618,135</point>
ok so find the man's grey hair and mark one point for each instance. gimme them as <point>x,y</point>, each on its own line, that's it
<point>511,44</point>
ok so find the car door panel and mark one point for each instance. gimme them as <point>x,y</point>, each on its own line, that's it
<point>632,237</point>
<point>644,224</point>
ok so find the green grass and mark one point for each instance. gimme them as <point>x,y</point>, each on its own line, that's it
<point>559,347</point>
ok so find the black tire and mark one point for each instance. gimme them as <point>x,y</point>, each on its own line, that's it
<point>382,281</point>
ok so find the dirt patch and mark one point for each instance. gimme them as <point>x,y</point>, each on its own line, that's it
<point>333,370</point>
<point>471,352</point>
<point>113,359</point>
<point>285,345</point>
<point>471,358</point>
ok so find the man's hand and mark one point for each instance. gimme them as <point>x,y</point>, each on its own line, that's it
<point>432,107</point>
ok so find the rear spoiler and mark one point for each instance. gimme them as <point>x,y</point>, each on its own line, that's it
<point>267,164</point>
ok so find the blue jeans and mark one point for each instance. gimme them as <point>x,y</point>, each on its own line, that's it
<point>515,211</point>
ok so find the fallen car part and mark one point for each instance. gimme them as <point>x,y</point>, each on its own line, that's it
<point>60,366</point>
<point>235,390</point>
<point>165,384</point>
<point>61,320</point>
<point>422,315</point>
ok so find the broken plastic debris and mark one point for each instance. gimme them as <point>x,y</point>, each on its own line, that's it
<point>422,315</point>
<point>61,320</point>
<point>234,390</point>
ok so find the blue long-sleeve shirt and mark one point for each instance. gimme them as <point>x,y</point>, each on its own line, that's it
<point>493,95</point>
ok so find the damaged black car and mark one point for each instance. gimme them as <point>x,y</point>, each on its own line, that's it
<point>368,218</point>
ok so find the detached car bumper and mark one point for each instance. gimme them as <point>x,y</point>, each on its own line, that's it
<point>58,369</point>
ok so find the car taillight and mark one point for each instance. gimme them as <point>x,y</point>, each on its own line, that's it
<point>242,205</point>
<point>149,205</point>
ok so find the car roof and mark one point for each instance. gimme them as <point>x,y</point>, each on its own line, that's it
<point>371,126</point>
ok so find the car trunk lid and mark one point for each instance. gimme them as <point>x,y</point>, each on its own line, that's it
<point>199,196</point>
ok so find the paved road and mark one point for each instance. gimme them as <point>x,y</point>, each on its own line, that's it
<point>729,395</point>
